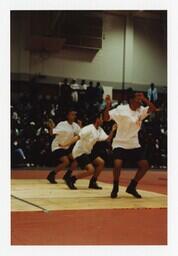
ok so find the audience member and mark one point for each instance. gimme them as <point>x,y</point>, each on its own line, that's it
<point>30,113</point>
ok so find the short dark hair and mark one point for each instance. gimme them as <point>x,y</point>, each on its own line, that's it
<point>130,94</point>
<point>69,110</point>
<point>95,117</point>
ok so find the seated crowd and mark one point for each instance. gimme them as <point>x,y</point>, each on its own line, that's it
<point>30,137</point>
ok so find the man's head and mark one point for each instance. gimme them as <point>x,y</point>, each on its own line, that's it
<point>91,84</point>
<point>71,116</point>
<point>65,81</point>
<point>98,84</point>
<point>97,119</point>
<point>152,86</point>
<point>133,99</point>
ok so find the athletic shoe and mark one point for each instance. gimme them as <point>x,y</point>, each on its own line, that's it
<point>131,189</point>
<point>94,185</point>
<point>67,174</point>
<point>114,193</point>
<point>51,177</point>
<point>115,189</point>
<point>70,180</point>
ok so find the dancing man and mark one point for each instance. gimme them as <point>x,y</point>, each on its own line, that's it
<point>88,158</point>
<point>66,134</point>
<point>126,145</point>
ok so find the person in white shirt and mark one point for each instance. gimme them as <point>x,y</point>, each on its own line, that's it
<point>83,85</point>
<point>152,93</point>
<point>126,144</point>
<point>66,134</point>
<point>88,159</point>
<point>75,88</point>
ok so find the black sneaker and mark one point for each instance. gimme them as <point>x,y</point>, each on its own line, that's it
<point>133,191</point>
<point>67,174</point>
<point>94,185</point>
<point>51,177</point>
<point>115,189</point>
<point>114,193</point>
<point>70,180</point>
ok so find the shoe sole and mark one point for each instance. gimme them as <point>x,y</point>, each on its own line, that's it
<point>72,188</point>
<point>69,186</point>
<point>52,182</point>
<point>95,188</point>
<point>113,197</point>
<point>138,197</point>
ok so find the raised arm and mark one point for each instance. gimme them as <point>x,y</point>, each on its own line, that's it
<point>152,107</point>
<point>106,116</point>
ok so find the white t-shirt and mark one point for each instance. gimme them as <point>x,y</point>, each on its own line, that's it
<point>75,86</point>
<point>128,124</point>
<point>152,93</point>
<point>89,135</point>
<point>64,134</point>
<point>84,86</point>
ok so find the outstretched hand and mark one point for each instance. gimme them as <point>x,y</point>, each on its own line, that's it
<point>114,127</point>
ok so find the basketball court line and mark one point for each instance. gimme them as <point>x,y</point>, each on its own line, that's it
<point>27,202</point>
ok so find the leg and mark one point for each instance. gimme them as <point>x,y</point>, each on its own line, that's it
<point>89,170</point>
<point>99,165</point>
<point>72,167</point>
<point>143,167</point>
<point>64,162</point>
<point>116,174</point>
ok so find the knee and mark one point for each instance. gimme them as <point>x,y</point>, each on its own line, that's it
<point>74,165</point>
<point>101,163</point>
<point>117,164</point>
<point>65,162</point>
<point>90,169</point>
<point>144,165</point>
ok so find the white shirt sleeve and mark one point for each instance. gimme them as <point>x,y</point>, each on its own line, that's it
<point>85,133</point>
<point>115,114</point>
<point>58,128</point>
<point>103,136</point>
<point>77,129</point>
<point>144,112</point>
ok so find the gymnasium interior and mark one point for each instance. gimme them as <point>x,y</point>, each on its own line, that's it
<point>62,59</point>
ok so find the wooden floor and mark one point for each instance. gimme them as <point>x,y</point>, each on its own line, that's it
<point>38,194</point>
<point>47,214</point>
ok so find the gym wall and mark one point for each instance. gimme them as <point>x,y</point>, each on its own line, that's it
<point>145,54</point>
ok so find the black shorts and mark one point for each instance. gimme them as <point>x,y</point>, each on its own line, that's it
<point>100,149</point>
<point>86,159</point>
<point>58,153</point>
<point>131,155</point>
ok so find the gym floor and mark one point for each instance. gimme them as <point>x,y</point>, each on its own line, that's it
<point>47,214</point>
